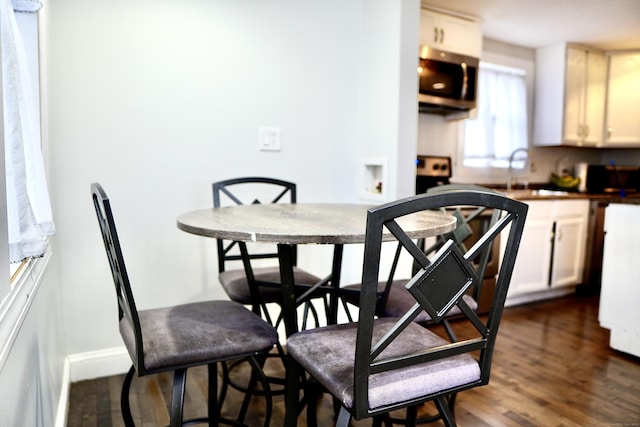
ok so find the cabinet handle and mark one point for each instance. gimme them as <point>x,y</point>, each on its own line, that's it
<point>586,131</point>
<point>441,35</point>
<point>609,132</point>
<point>465,81</point>
<point>435,34</point>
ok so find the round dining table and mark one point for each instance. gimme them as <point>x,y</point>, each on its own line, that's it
<point>302,223</point>
<point>288,225</point>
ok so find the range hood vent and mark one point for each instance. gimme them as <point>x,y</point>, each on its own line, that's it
<point>448,112</point>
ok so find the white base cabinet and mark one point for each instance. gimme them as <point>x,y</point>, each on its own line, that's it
<point>551,257</point>
<point>620,292</point>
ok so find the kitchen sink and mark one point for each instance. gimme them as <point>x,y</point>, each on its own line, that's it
<point>545,192</point>
<point>532,193</point>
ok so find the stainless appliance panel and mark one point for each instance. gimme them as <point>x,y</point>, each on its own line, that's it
<point>612,179</point>
<point>447,81</point>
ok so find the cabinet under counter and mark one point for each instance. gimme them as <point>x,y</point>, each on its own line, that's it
<point>551,257</point>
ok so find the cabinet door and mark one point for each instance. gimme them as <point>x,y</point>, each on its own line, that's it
<point>568,251</point>
<point>585,96</point>
<point>450,33</point>
<point>429,29</point>
<point>570,96</point>
<point>575,80</point>
<point>623,109</point>
<point>531,272</point>
<point>595,95</point>
<point>461,36</point>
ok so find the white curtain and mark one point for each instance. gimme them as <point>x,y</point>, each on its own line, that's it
<point>29,216</point>
<point>501,124</point>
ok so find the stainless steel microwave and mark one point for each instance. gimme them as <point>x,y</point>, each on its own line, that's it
<point>447,81</point>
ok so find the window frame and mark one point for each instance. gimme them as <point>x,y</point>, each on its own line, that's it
<point>493,175</point>
<point>19,282</point>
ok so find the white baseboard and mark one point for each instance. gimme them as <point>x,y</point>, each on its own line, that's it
<point>86,366</point>
<point>539,296</point>
<point>97,364</point>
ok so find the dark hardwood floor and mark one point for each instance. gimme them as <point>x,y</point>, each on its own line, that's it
<point>552,367</point>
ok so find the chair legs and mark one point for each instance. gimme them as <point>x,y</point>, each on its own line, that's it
<point>214,401</point>
<point>445,411</point>
<point>445,406</point>
<point>257,370</point>
<point>343,418</point>
<point>257,376</point>
<point>177,397</point>
<point>411,415</point>
<point>124,398</point>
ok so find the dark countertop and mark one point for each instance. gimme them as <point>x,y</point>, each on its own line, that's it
<point>542,194</point>
<point>547,192</point>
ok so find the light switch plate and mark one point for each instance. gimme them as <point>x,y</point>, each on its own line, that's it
<point>269,139</point>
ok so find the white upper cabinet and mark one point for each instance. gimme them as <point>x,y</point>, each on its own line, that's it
<point>570,96</point>
<point>450,33</point>
<point>623,107</point>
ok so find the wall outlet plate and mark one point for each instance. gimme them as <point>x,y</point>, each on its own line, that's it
<point>269,139</point>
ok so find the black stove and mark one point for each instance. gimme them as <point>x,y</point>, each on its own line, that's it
<point>432,171</point>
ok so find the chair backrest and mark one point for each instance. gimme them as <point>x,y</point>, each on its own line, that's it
<point>466,233</point>
<point>437,286</point>
<point>127,311</point>
<point>249,190</point>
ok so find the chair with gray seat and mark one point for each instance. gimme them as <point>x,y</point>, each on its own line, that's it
<point>394,299</point>
<point>259,286</point>
<point>382,364</point>
<point>175,338</point>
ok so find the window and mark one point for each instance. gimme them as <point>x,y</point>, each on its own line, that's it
<point>28,214</point>
<point>500,127</point>
<point>20,151</point>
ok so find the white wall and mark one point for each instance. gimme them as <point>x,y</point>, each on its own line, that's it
<point>31,377</point>
<point>388,90</point>
<point>157,99</point>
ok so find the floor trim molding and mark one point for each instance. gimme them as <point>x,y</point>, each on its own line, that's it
<point>87,366</point>
<point>97,364</point>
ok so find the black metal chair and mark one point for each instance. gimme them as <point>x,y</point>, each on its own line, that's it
<point>379,365</point>
<point>259,286</point>
<point>179,337</point>
<point>394,299</point>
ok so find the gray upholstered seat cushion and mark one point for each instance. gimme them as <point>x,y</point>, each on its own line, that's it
<point>400,300</point>
<point>328,355</point>
<point>236,285</point>
<point>198,333</point>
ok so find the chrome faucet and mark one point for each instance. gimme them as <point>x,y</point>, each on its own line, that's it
<point>510,170</point>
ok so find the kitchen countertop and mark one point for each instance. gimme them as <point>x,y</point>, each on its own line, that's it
<point>542,194</point>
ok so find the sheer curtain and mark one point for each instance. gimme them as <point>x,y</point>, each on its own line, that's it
<point>29,216</point>
<point>501,123</point>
